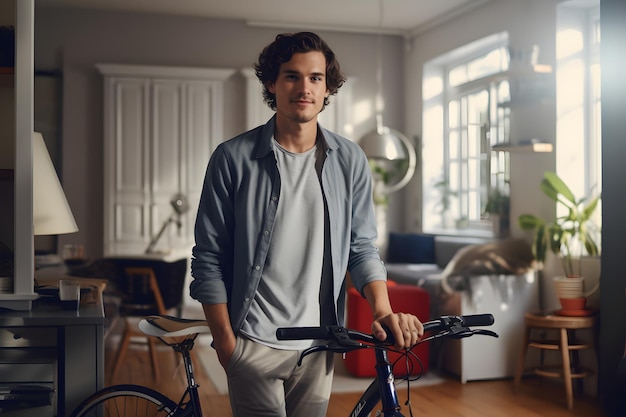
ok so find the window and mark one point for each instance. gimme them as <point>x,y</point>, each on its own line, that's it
<point>465,110</point>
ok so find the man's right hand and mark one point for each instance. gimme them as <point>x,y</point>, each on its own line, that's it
<point>225,348</point>
<point>224,339</point>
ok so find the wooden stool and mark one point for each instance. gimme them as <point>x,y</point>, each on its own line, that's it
<point>568,369</point>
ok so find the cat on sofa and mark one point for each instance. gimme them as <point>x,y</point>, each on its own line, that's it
<point>509,257</point>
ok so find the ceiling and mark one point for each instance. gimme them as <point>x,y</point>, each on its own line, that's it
<point>405,17</point>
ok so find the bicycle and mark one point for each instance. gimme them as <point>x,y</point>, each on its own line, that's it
<point>136,400</point>
<point>383,388</point>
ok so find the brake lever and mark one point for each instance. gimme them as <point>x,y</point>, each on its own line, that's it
<point>462,332</point>
<point>485,332</point>
<point>312,349</point>
<point>342,344</point>
<point>332,346</point>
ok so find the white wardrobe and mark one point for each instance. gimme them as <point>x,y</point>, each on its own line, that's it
<point>161,125</point>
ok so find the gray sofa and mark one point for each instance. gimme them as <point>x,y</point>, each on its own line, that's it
<point>415,259</point>
<point>421,260</point>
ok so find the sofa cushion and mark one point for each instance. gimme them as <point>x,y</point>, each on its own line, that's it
<point>411,248</point>
<point>447,246</point>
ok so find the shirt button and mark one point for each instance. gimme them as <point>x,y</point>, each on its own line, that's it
<point>267,232</point>
<point>274,198</point>
<point>257,267</point>
<point>247,299</point>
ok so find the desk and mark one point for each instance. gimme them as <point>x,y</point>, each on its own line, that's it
<point>63,349</point>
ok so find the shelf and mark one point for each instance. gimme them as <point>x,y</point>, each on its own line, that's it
<point>534,147</point>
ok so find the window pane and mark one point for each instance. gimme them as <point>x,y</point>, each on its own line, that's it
<point>472,174</point>
<point>473,141</point>
<point>473,205</point>
<point>504,92</point>
<point>454,145</point>
<point>457,75</point>
<point>453,114</point>
<point>454,176</point>
<point>485,65</point>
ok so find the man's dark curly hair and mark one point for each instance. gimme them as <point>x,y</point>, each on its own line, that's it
<point>281,51</point>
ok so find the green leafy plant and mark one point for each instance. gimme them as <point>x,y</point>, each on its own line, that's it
<point>443,204</point>
<point>571,232</point>
<point>498,203</point>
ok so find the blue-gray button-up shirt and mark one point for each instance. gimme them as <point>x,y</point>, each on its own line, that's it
<point>237,212</point>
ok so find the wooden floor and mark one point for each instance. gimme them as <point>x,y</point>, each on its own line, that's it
<point>536,398</point>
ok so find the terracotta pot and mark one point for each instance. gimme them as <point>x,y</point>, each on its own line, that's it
<point>573,303</point>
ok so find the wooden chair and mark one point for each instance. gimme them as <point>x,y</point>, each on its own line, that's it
<point>143,281</point>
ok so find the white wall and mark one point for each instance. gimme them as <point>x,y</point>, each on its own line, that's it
<point>74,41</point>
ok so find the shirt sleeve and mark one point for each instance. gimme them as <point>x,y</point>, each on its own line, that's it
<point>364,263</point>
<point>212,255</point>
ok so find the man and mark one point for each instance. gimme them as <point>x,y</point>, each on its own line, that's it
<point>285,211</point>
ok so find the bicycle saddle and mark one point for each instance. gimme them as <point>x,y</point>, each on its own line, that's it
<point>169,326</point>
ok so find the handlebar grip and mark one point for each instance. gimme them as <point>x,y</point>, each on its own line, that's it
<point>302,333</point>
<point>474,320</point>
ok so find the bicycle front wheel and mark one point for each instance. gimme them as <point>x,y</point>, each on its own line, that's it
<point>126,401</point>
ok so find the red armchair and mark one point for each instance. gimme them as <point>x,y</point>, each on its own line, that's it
<point>404,298</point>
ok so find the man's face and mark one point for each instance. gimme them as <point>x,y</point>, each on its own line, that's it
<point>300,87</point>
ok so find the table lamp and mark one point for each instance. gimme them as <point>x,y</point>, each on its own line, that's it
<point>51,212</point>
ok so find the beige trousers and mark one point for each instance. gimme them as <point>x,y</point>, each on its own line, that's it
<point>264,381</point>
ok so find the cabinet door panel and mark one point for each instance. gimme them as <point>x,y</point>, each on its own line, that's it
<point>200,133</point>
<point>127,211</point>
<point>166,140</point>
<point>130,136</point>
<point>129,221</point>
<point>165,154</point>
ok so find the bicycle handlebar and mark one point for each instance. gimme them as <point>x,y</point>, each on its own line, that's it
<point>445,326</point>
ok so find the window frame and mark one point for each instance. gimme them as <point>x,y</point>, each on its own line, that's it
<point>441,67</point>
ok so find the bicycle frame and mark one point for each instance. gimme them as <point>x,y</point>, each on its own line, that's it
<point>382,388</point>
<point>193,405</point>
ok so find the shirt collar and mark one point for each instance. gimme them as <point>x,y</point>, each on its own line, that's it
<point>264,143</point>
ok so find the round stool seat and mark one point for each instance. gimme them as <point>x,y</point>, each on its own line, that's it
<point>569,368</point>
<point>554,321</point>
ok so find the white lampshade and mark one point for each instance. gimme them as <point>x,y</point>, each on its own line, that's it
<point>51,212</point>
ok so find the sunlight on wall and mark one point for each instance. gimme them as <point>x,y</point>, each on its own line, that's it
<point>432,163</point>
<point>432,87</point>
<point>568,42</point>
<point>571,124</point>
<point>362,111</point>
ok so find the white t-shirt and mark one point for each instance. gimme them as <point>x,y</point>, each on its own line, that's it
<point>289,290</point>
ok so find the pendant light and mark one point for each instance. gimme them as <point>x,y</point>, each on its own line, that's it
<point>384,143</point>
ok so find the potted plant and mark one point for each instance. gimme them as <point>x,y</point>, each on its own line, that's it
<point>569,236</point>
<point>443,205</point>
<point>498,208</point>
